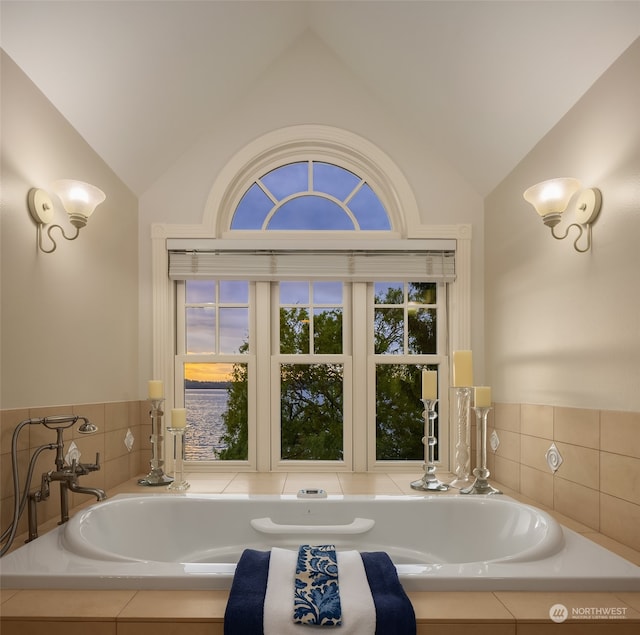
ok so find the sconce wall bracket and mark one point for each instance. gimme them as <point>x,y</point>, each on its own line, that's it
<point>588,206</point>
<point>587,210</point>
<point>40,206</point>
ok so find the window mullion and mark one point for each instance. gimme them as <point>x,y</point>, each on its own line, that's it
<point>260,397</point>
<point>180,332</point>
<point>359,349</point>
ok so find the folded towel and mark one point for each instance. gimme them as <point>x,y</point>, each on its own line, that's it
<point>316,589</point>
<point>358,609</point>
<point>245,608</point>
<point>394,611</point>
<point>372,598</point>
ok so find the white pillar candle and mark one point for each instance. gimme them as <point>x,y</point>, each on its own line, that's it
<point>429,384</point>
<point>483,397</point>
<point>156,389</point>
<point>462,369</point>
<point>178,417</point>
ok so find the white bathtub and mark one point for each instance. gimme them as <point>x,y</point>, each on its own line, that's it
<point>192,541</point>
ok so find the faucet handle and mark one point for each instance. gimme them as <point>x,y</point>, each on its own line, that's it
<point>78,469</point>
<point>93,467</point>
<point>44,485</point>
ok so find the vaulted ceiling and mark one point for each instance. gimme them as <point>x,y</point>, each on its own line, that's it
<point>481,81</point>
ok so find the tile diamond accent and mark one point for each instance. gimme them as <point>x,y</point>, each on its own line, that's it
<point>554,458</point>
<point>129,439</point>
<point>72,453</point>
<point>494,441</point>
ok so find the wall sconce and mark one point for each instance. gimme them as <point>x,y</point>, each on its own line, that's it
<point>551,198</point>
<point>78,199</point>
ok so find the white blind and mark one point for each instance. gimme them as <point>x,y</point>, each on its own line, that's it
<point>363,265</point>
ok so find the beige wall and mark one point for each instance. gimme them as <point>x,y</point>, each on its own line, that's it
<point>69,322</point>
<point>563,328</point>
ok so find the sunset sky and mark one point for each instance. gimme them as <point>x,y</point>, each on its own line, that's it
<point>208,372</point>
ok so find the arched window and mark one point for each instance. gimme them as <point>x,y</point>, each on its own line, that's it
<point>307,304</point>
<point>283,171</point>
<point>310,195</point>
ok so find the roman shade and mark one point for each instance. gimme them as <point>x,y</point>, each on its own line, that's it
<point>415,261</point>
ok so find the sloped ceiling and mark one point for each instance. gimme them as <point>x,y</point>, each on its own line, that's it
<point>481,82</point>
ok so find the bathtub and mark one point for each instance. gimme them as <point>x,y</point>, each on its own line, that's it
<point>192,541</point>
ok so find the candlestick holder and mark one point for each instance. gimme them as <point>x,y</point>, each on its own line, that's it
<point>481,484</point>
<point>179,484</point>
<point>462,468</point>
<point>156,476</point>
<point>429,481</point>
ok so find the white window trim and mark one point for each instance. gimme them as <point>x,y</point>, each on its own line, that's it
<point>321,142</point>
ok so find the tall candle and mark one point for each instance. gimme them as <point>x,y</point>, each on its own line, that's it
<point>462,369</point>
<point>156,389</point>
<point>429,384</point>
<point>178,417</point>
<point>483,397</point>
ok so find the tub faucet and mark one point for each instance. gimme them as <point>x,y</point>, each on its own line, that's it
<point>67,475</point>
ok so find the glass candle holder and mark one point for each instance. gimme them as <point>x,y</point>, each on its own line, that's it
<point>156,476</point>
<point>481,485</point>
<point>179,484</point>
<point>429,481</point>
<point>462,467</point>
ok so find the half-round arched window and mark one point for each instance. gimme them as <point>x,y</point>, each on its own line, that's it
<point>310,195</point>
<point>311,178</point>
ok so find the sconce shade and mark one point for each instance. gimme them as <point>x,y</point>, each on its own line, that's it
<point>553,196</point>
<point>79,199</point>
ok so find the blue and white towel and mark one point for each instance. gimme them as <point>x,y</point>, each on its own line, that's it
<point>316,592</point>
<point>372,599</point>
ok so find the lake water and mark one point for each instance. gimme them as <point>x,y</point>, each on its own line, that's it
<point>204,415</point>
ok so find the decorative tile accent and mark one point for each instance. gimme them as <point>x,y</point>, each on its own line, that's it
<point>494,440</point>
<point>554,458</point>
<point>129,439</point>
<point>72,453</point>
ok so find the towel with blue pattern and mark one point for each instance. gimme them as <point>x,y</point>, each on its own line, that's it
<point>316,591</point>
<point>371,595</point>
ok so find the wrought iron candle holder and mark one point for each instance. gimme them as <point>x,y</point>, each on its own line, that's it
<point>481,485</point>
<point>179,484</point>
<point>462,468</point>
<point>156,476</point>
<point>429,481</point>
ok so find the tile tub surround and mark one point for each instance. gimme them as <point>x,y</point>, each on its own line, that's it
<point>598,482</point>
<point>32,612</point>
<point>118,464</point>
<point>129,612</point>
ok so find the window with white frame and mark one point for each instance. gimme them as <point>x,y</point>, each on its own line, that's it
<point>309,354</point>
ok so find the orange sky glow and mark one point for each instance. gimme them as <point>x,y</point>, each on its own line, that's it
<point>208,372</point>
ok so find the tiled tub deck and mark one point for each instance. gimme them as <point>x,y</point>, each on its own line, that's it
<point>130,612</point>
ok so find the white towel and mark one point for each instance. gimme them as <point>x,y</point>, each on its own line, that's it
<point>358,609</point>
